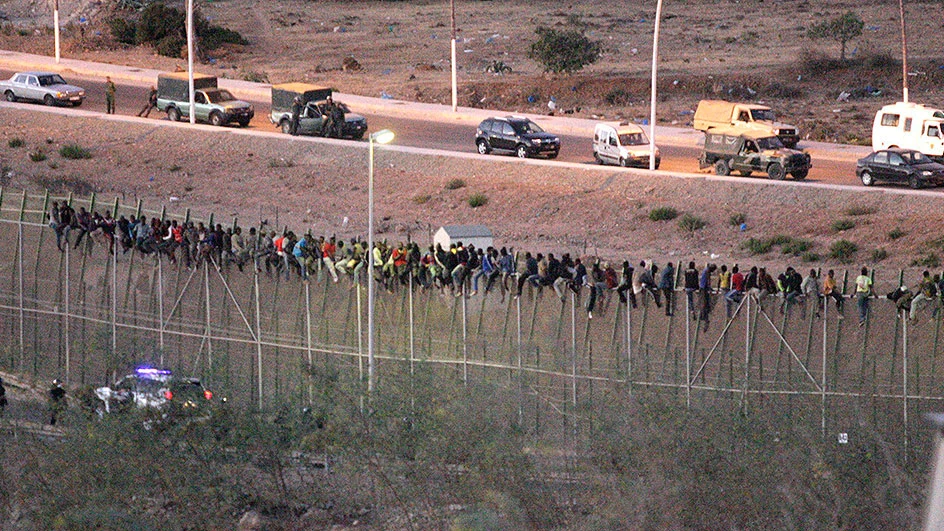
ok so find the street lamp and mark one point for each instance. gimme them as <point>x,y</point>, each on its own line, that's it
<point>384,136</point>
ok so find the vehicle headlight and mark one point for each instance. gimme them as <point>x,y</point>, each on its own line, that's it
<point>927,173</point>
<point>60,95</point>
<point>536,141</point>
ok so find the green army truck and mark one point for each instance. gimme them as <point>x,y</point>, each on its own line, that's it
<point>212,104</point>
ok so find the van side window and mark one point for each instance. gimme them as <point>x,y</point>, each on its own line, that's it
<point>907,124</point>
<point>612,140</point>
<point>743,117</point>
<point>934,131</point>
<point>890,120</point>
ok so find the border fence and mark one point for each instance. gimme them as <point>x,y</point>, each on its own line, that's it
<point>87,316</point>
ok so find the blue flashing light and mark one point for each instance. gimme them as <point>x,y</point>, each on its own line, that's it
<point>150,371</point>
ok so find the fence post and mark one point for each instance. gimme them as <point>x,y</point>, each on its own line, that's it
<point>19,258</point>
<point>255,278</point>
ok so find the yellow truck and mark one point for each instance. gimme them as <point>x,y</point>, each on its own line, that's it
<point>749,117</point>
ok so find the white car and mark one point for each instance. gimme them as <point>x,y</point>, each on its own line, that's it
<point>45,87</point>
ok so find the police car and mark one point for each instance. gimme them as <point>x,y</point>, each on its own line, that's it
<point>159,389</point>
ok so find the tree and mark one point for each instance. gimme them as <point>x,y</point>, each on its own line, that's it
<point>841,29</point>
<point>563,50</point>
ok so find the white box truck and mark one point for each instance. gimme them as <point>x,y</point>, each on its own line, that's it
<point>909,126</point>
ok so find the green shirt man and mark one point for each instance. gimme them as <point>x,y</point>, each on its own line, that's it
<point>109,95</point>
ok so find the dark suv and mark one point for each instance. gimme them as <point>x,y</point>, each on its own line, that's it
<point>156,389</point>
<point>515,134</point>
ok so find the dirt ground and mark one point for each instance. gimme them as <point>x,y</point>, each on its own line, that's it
<point>747,50</point>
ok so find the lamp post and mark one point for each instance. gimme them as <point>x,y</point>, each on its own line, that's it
<point>655,75</point>
<point>384,136</point>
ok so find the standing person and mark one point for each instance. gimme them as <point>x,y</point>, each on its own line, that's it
<point>927,291</point>
<point>109,95</point>
<point>667,285</point>
<point>296,115</point>
<point>863,292</point>
<point>704,287</point>
<point>57,401</point>
<point>151,103</point>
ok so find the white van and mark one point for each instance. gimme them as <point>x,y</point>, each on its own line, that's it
<point>624,144</point>
<point>909,126</point>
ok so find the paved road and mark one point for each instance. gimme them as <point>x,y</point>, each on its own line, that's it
<point>456,137</point>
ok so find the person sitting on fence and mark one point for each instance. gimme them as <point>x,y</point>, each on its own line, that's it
<point>927,292</point>
<point>144,236</point>
<point>84,222</point>
<point>789,285</point>
<point>810,289</point>
<point>735,295</point>
<point>831,290</point>
<point>564,276</point>
<point>667,286</point>
<point>643,282</point>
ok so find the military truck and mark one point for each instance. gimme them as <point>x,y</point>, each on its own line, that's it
<point>314,113</point>
<point>733,149</point>
<point>212,104</point>
<point>758,119</point>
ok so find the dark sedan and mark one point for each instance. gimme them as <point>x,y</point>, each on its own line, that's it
<point>901,166</point>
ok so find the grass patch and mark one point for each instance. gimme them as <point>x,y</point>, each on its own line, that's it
<point>421,199</point>
<point>843,251</point>
<point>63,185</point>
<point>174,168</point>
<point>842,224</point>
<point>859,210</point>
<point>455,184</point>
<point>74,152</point>
<point>879,254</point>
<point>810,256</point>
<point>477,200</point>
<point>663,214</point>
<point>691,223</point>
<point>796,246</point>
<point>37,156</point>
<point>757,245</point>
<point>16,142</point>
<point>896,233</point>
<point>736,220</point>
<point>930,260</point>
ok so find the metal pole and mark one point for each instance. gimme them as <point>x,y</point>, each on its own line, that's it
<point>412,347</point>
<point>55,23</point>
<point>688,353</point>
<point>19,259</point>
<point>823,385</point>
<point>904,53</point>
<point>114,301</point>
<point>455,90</point>
<point>573,359</point>
<point>652,100</point>
<point>160,303</point>
<point>360,339</point>
<point>190,47</point>
<point>904,379</point>
<point>465,339</point>
<point>209,335</point>
<point>255,277</point>
<point>308,339</point>
<point>520,367</point>
<point>370,266</point>
<point>629,345</point>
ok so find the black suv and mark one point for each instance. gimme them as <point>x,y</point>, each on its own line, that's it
<point>516,134</point>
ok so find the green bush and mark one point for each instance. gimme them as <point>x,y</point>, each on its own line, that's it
<point>164,28</point>
<point>15,142</point>
<point>37,156</point>
<point>477,200</point>
<point>842,224</point>
<point>810,256</point>
<point>123,31</point>
<point>74,152</point>
<point>421,199</point>
<point>796,247</point>
<point>929,260</point>
<point>757,245</point>
<point>896,233</point>
<point>843,250</point>
<point>780,239</point>
<point>455,184</point>
<point>691,223</point>
<point>663,214</point>
<point>860,210</point>
<point>567,50</point>
<point>736,220</point>
<point>879,254</point>
<point>171,46</point>
<point>618,96</point>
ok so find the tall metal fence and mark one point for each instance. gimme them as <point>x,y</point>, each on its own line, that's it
<point>85,315</point>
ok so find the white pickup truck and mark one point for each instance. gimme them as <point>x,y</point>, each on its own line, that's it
<point>46,87</point>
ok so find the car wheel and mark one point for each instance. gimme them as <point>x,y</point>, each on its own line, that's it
<point>623,162</point>
<point>799,175</point>
<point>482,147</point>
<point>76,104</point>
<point>915,182</point>
<point>358,136</point>
<point>10,96</point>
<point>776,172</point>
<point>552,155</point>
<point>173,114</point>
<point>244,122</point>
<point>596,158</point>
<point>216,119</point>
<point>656,167</point>
<point>722,168</point>
<point>866,178</point>
<point>286,126</point>
<point>522,151</point>
<point>48,100</point>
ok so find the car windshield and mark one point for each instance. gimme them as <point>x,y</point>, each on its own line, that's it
<point>771,142</point>
<point>528,127</point>
<point>219,96</point>
<point>763,115</point>
<point>915,157</point>
<point>633,139</point>
<point>52,79</point>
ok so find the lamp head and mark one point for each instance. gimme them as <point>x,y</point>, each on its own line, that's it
<point>384,136</point>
